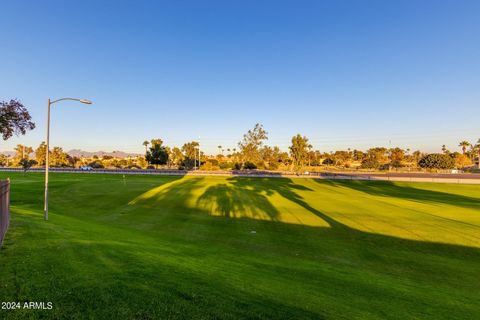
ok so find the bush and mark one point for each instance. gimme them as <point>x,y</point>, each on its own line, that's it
<point>437,161</point>
<point>237,166</point>
<point>96,164</point>
<point>261,165</point>
<point>225,165</point>
<point>328,162</point>
<point>249,166</point>
<point>209,166</point>
<point>462,161</point>
<point>213,162</point>
<point>370,163</point>
<point>384,167</point>
<point>396,164</point>
<point>273,165</point>
<point>27,164</point>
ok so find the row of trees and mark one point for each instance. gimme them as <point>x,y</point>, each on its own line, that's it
<point>22,157</point>
<point>253,153</point>
<point>470,150</point>
<point>186,157</point>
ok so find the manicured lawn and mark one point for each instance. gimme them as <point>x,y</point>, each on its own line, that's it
<point>150,247</point>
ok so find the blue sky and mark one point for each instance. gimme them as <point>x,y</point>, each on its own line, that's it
<point>344,73</point>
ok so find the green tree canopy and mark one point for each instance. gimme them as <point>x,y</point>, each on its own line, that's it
<point>370,163</point>
<point>378,153</point>
<point>342,157</point>
<point>358,155</point>
<point>437,161</point>
<point>145,144</point>
<point>157,154</point>
<point>27,164</point>
<point>299,150</point>
<point>59,158</point>
<point>22,152</point>
<point>40,153</point>
<point>3,160</point>
<point>190,154</point>
<point>464,144</point>
<point>176,156</point>
<point>14,119</point>
<point>271,157</point>
<point>251,143</point>
<point>396,154</point>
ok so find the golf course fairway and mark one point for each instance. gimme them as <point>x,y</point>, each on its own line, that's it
<point>152,247</point>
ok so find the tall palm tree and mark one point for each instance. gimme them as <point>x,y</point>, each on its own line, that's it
<point>464,144</point>
<point>219,149</point>
<point>146,143</point>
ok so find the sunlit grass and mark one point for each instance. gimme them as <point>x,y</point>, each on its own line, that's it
<point>225,247</point>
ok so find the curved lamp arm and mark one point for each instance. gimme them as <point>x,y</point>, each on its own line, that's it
<point>72,99</point>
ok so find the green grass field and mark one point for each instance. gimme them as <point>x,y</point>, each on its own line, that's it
<point>151,247</point>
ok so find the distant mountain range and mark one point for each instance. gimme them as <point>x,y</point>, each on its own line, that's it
<point>87,154</point>
<point>8,153</point>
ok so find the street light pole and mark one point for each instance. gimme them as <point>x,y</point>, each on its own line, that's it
<point>199,157</point>
<point>47,151</point>
<point>194,158</point>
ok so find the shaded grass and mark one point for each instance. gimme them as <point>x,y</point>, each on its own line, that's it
<point>156,247</point>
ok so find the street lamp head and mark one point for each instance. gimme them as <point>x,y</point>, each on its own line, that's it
<point>85,101</point>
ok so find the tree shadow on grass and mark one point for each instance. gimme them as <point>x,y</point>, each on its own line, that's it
<point>287,189</point>
<point>174,193</point>
<point>245,197</point>
<point>238,202</point>
<point>254,198</point>
<point>391,189</point>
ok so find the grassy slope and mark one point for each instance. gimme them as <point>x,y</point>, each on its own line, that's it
<point>151,246</point>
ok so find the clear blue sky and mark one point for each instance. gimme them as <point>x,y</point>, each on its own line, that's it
<point>344,73</point>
